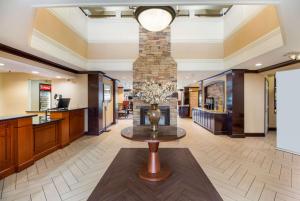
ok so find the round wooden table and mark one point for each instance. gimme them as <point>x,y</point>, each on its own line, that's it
<point>153,171</point>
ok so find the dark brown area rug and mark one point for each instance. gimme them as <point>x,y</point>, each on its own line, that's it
<point>188,182</point>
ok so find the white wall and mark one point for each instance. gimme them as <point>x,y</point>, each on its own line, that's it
<point>76,89</point>
<point>254,103</point>
<point>288,96</point>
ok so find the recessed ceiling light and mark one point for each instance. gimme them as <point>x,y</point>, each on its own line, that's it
<point>293,55</point>
<point>58,77</point>
<point>35,72</point>
<point>258,64</point>
<point>1,64</point>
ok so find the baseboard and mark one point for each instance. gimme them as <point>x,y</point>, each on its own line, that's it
<point>288,151</point>
<point>109,125</point>
<point>24,165</point>
<point>254,134</point>
<point>237,135</point>
<point>7,172</point>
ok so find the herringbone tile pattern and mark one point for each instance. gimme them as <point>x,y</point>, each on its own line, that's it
<point>188,182</point>
<point>248,169</point>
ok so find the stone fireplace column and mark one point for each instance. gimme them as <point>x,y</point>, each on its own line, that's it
<point>154,63</point>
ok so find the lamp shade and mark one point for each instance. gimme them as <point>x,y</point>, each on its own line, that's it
<point>155,18</point>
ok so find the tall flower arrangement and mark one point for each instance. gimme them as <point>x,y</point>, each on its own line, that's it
<point>155,92</point>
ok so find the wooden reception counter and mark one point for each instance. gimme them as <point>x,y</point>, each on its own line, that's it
<point>16,143</point>
<point>27,138</point>
<point>46,136</point>
<point>72,124</point>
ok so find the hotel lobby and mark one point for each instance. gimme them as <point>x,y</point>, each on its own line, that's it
<point>144,100</point>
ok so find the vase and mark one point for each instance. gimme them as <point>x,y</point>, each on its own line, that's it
<point>154,116</point>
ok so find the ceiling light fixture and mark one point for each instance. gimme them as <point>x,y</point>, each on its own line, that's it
<point>293,55</point>
<point>35,72</point>
<point>1,64</point>
<point>155,18</point>
<point>258,64</point>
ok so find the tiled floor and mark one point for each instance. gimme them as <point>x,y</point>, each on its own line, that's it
<point>241,169</point>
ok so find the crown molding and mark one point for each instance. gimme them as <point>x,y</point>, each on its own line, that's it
<point>43,43</point>
<point>110,64</point>
<point>264,44</point>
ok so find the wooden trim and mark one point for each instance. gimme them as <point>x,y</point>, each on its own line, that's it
<point>32,57</point>
<point>91,72</point>
<point>272,129</point>
<point>255,135</point>
<point>237,136</point>
<point>279,65</point>
<point>115,101</point>
<point>227,72</point>
<point>268,68</point>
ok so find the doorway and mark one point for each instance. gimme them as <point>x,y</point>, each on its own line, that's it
<point>266,106</point>
<point>270,103</point>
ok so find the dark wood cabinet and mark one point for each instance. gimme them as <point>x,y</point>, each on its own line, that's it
<point>212,121</point>
<point>235,102</point>
<point>95,102</point>
<point>7,154</point>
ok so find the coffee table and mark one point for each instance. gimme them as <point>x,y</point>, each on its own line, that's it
<point>153,171</point>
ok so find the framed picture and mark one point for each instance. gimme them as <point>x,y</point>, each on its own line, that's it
<point>107,92</point>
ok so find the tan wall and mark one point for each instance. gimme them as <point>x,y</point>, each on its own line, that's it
<point>197,50</point>
<point>272,114</point>
<point>113,50</point>
<point>76,89</point>
<point>110,108</point>
<point>262,24</point>
<point>120,94</point>
<point>15,94</point>
<point>254,91</point>
<point>48,24</point>
<point>193,98</point>
<point>1,94</point>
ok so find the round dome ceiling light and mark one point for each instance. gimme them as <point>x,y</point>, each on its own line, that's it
<point>155,18</point>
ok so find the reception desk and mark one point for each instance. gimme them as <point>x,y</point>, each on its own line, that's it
<point>71,125</point>
<point>215,122</point>
<point>27,138</point>
<point>46,134</point>
<point>16,143</point>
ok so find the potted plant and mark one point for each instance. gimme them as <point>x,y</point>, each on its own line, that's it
<point>154,93</point>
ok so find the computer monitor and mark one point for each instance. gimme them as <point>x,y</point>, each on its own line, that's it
<point>63,103</point>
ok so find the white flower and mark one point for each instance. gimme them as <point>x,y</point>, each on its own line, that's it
<point>155,92</point>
